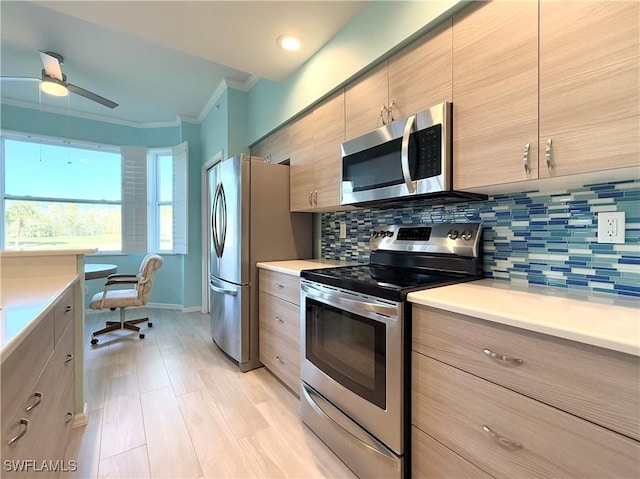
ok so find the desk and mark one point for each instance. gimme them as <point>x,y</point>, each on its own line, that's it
<point>95,271</point>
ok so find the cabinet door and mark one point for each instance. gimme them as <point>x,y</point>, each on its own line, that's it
<point>495,93</point>
<point>589,94</point>
<point>327,153</point>
<point>301,182</point>
<point>420,75</point>
<point>364,101</point>
<point>279,145</point>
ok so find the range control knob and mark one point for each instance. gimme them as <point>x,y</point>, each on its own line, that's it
<point>466,235</point>
<point>452,234</point>
<point>390,234</point>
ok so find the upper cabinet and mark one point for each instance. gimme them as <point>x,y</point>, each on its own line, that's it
<point>589,86</point>
<point>315,141</point>
<point>275,147</point>
<point>495,94</point>
<point>531,105</point>
<point>416,78</point>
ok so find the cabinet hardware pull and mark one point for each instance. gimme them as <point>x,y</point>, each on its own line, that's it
<point>68,308</point>
<point>391,105</point>
<point>547,154</point>
<point>279,360</point>
<point>69,358</point>
<point>279,319</point>
<point>38,397</point>
<point>69,416</point>
<point>315,197</point>
<point>504,359</point>
<point>500,440</point>
<point>525,158</point>
<point>279,285</point>
<point>383,110</point>
<point>310,197</point>
<point>23,422</point>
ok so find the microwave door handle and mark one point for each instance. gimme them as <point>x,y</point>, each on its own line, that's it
<point>404,155</point>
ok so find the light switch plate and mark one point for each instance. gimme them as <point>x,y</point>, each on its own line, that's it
<point>611,227</point>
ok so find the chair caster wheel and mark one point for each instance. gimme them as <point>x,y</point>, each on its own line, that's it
<point>112,309</point>
<point>94,341</point>
<point>150,325</point>
<point>141,335</point>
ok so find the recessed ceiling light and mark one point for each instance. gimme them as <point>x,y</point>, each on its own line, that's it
<point>289,42</point>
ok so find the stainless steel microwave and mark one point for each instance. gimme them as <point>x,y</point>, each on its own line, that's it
<point>406,158</point>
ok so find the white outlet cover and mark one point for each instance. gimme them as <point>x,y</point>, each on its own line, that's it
<point>608,233</point>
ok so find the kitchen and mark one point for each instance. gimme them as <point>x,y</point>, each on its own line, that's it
<point>510,216</point>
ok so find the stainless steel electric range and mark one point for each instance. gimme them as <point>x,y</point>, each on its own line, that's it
<point>356,338</point>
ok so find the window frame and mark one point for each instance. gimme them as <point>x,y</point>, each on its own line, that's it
<point>154,203</point>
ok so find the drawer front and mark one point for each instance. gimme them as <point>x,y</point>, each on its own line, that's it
<point>538,440</point>
<point>63,313</point>
<point>594,383</point>
<point>281,318</point>
<point>432,460</point>
<point>23,366</point>
<point>281,359</point>
<point>282,285</point>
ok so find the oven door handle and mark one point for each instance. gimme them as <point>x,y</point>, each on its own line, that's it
<point>338,299</point>
<point>404,154</point>
<point>328,410</point>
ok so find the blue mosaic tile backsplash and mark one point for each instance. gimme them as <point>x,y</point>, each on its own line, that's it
<point>532,237</point>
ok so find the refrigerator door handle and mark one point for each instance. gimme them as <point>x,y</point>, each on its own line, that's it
<point>214,221</point>
<point>232,292</point>
<point>223,199</point>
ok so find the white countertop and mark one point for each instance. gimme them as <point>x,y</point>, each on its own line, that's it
<point>295,266</point>
<point>598,320</point>
<point>24,302</point>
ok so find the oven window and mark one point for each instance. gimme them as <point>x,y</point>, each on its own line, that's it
<point>349,348</point>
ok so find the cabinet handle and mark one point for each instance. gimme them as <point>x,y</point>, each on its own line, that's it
<point>279,319</point>
<point>69,358</point>
<point>279,360</point>
<point>525,158</point>
<point>279,285</point>
<point>383,110</point>
<point>23,422</point>
<point>391,118</point>
<point>311,197</point>
<point>38,397</point>
<point>503,359</point>
<point>547,154</point>
<point>69,417</point>
<point>500,440</point>
<point>315,197</point>
<point>68,309</point>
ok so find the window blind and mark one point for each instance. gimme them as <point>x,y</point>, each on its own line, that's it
<point>180,198</point>
<point>134,199</point>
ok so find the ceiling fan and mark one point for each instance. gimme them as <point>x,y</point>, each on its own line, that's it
<point>54,82</point>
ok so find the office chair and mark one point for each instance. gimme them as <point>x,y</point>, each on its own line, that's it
<point>138,295</point>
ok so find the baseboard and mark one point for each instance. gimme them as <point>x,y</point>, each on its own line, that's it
<point>176,307</point>
<point>80,420</point>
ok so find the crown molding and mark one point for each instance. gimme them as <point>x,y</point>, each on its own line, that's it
<point>222,86</point>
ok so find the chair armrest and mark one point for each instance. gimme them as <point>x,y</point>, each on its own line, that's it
<point>118,275</point>
<point>111,281</point>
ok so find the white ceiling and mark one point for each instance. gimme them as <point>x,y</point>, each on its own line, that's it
<point>158,59</point>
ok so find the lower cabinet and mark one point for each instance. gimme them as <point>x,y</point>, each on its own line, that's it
<point>37,427</point>
<point>279,323</point>
<point>482,399</point>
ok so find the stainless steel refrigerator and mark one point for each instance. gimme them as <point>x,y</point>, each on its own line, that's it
<point>250,222</point>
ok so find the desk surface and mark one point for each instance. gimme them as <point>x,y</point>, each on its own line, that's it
<point>95,271</point>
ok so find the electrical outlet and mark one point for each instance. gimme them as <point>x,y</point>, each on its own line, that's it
<point>611,227</point>
<point>343,230</point>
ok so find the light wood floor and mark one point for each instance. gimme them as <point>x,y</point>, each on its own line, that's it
<point>172,405</point>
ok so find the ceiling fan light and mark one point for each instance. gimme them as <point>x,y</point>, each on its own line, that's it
<point>289,42</point>
<point>52,86</point>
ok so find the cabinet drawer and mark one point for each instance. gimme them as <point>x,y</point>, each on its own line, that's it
<point>282,285</point>
<point>23,366</point>
<point>432,460</point>
<point>453,407</point>
<point>594,383</point>
<point>281,318</point>
<point>63,313</point>
<point>281,359</point>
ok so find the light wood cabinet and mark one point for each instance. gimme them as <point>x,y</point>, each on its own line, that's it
<point>315,144</point>
<point>519,404</point>
<point>417,77</point>
<point>279,323</point>
<point>589,86</point>
<point>274,148</point>
<point>38,400</point>
<point>495,94</point>
<point>560,96</point>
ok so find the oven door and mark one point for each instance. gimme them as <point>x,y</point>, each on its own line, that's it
<point>352,354</point>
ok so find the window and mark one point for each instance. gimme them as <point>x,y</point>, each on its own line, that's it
<point>61,194</point>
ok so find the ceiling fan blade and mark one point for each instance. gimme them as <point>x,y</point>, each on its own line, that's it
<point>91,96</point>
<point>20,79</point>
<point>51,65</point>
